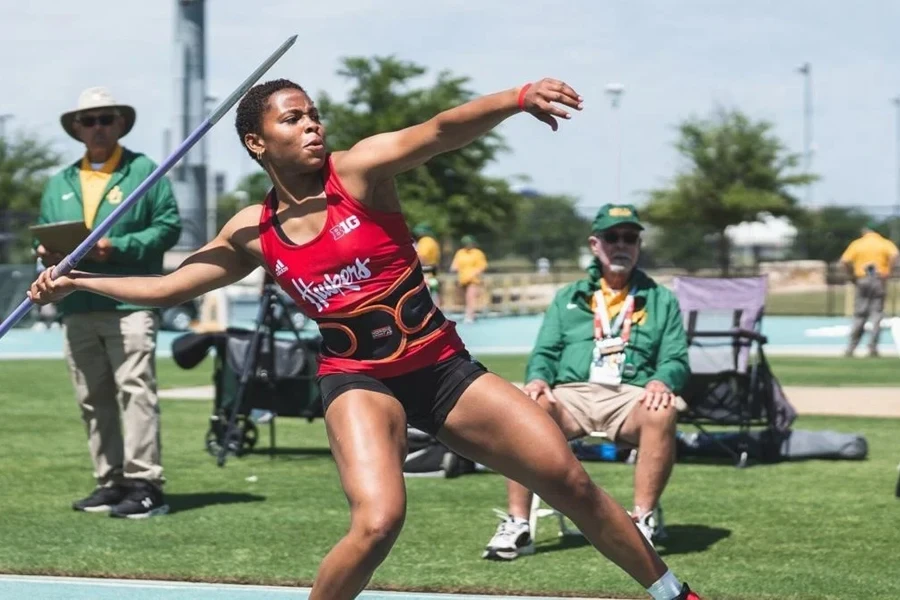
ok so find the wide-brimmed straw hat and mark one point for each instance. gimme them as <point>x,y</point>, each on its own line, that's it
<point>92,99</point>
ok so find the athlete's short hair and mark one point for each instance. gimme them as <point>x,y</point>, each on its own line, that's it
<point>253,105</point>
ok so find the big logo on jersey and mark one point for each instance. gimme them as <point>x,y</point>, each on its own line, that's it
<point>348,278</point>
<point>345,227</point>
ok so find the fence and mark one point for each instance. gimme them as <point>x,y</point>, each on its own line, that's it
<point>520,283</point>
<point>14,282</point>
<point>829,294</point>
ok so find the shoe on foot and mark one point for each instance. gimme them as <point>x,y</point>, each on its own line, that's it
<point>101,499</point>
<point>511,540</point>
<point>144,500</point>
<point>651,525</point>
<point>687,594</point>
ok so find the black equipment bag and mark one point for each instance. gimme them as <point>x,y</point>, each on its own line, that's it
<point>284,380</point>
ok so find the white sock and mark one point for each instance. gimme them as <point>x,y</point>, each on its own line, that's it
<point>518,520</point>
<point>666,587</point>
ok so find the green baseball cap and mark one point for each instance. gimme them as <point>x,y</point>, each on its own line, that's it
<point>423,229</point>
<point>611,215</point>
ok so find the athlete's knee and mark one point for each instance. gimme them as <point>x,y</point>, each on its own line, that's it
<point>377,528</point>
<point>568,481</point>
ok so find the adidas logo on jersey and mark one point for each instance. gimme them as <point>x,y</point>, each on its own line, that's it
<point>280,268</point>
<point>345,227</point>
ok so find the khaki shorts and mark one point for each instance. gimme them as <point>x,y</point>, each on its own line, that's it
<point>598,408</point>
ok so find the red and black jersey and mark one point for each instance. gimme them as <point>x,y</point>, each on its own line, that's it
<point>361,281</point>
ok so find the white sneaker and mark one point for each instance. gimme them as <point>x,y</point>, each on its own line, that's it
<point>512,539</point>
<point>651,525</point>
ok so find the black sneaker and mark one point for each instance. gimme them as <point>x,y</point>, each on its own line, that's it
<point>101,499</point>
<point>687,594</point>
<point>144,500</point>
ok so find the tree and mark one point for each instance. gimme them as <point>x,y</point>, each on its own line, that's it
<point>450,191</point>
<point>25,164</point>
<point>547,226</point>
<point>685,247</point>
<point>824,233</point>
<point>735,169</point>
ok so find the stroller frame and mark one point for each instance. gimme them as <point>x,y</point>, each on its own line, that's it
<point>240,433</point>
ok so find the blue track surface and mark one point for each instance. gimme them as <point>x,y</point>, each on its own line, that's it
<point>793,335</point>
<point>14,587</point>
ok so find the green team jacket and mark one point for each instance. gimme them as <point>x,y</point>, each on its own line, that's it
<point>139,238</point>
<point>657,349</point>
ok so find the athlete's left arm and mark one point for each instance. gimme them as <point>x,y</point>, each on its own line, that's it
<point>385,155</point>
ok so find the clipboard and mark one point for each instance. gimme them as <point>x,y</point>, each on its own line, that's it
<point>61,237</point>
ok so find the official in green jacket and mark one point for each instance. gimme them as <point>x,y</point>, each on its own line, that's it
<point>611,357</point>
<point>110,347</point>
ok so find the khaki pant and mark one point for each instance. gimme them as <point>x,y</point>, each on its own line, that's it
<point>868,304</point>
<point>112,362</point>
<point>598,408</point>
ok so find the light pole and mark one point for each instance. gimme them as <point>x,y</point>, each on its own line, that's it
<point>615,91</point>
<point>806,70</point>
<point>895,225</point>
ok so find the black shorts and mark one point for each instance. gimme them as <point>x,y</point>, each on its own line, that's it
<point>427,395</point>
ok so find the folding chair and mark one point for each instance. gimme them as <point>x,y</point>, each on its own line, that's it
<point>565,528</point>
<point>731,384</point>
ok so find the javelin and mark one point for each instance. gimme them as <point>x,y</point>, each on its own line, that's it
<point>84,247</point>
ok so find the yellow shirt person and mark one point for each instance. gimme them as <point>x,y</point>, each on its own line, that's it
<point>871,249</point>
<point>469,262</point>
<point>427,247</point>
<point>429,251</point>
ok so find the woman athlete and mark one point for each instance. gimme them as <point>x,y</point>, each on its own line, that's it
<point>331,233</point>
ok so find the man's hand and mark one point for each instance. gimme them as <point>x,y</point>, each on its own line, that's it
<point>537,388</point>
<point>540,97</point>
<point>45,290</point>
<point>48,257</point>
<point>101,251</point>
<point>657,395</point>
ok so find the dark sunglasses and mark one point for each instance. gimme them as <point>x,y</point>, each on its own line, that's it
<point>613,237</point>
<point>90,121</point>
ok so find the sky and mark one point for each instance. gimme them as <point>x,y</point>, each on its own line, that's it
<point>675,59</point>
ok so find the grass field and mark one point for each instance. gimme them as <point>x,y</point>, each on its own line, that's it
<point>790,370</point>
<point>814,530</point>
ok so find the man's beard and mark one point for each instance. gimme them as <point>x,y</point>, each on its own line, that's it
<point>620,264</point>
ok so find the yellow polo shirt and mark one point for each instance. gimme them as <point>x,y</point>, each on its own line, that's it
<point>870,249</point>
<point>429,251</point>
<point>94,182</point>
<point>615,301</point>
<point>469,263</point>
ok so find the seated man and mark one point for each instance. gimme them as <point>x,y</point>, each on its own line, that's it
<point>610,356</point>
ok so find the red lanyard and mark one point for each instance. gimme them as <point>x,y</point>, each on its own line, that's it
<point>602,326</point>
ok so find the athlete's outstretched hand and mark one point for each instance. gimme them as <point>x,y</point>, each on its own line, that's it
<point>46,290</point>
<point>542,97</point>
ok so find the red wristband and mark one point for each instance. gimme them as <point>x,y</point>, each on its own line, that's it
<point>521,99</point>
